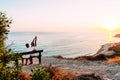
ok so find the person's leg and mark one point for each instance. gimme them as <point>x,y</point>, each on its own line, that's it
<point>31,60</point>
<point>26,61</point>
<point>35,41</point>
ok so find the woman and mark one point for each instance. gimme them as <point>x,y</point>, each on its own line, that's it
<point>34,45</point>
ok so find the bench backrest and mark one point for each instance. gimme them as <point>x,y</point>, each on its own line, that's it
<point>32,52</point>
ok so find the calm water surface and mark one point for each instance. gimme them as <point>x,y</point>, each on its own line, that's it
<point>65,44</point>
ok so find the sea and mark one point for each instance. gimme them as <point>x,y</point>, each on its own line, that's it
<point>66,44</point>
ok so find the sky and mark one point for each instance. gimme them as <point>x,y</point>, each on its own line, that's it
<point>61,15</point>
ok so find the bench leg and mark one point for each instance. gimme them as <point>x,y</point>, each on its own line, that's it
<point>40,58</point>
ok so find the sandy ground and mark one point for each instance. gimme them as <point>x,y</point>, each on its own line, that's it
<point>102,68</point>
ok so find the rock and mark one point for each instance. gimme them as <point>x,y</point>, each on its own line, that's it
<point>117,35</point>
<point>116,76</point>
<point>88,77</point>
<point>105,50</point>
<point>115,48</point>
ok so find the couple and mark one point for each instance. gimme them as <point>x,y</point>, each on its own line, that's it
<point>29,56</point>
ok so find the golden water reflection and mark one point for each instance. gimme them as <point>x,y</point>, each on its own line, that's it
<point>110,37</point>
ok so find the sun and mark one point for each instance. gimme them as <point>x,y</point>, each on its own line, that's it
<point>110,26</point>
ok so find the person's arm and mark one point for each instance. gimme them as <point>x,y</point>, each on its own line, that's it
<point>32,43</point>
<point>35,40</point>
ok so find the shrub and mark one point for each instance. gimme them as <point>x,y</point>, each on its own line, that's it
<point>40,74</point>
<point>7,72</point>
<point>57,73</point>
<point>23,76</point>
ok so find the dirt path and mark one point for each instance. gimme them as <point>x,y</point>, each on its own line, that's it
<point>105,69</point>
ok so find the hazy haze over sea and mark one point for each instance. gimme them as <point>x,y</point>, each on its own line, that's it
<point>70,44</point>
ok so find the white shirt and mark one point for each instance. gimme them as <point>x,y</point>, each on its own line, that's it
<point>27,55</point>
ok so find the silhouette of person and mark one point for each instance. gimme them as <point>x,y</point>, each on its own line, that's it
<point>27,56</point>
<point>34,42</point>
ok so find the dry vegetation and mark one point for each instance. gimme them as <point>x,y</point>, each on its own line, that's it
<point>116,60</point>
<point>23,76</point>
<point>58,73</point>
<point>101,57</point>
<point>62,74</point>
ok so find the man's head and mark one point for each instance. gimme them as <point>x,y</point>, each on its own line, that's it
<point>27,45</point>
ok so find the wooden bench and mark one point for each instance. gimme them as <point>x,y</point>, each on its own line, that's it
<point>33,52</point>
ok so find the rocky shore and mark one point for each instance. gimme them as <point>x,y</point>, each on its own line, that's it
<point>85,65</point>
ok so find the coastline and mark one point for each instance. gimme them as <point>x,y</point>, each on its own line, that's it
<point>105,63</point>
<point>103,68</point>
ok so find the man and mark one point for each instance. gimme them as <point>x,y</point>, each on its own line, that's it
<point>27,56</point>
